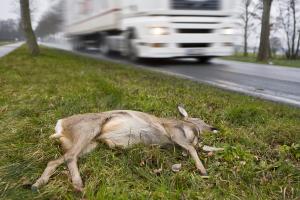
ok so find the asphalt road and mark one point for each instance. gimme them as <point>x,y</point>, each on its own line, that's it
<point>275,83</point>
<point>6,49</point>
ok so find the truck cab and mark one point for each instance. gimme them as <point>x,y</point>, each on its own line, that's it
<point>159,28</point>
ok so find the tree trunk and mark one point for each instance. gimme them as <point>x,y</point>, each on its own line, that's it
<point>293,6</point>
<point>264,46</point>
<point>247,3</point>
<point>246,42</point>
<point>288,53</point>
<point>27,28</point>
<point>286,28</point>
<point>298,46</point>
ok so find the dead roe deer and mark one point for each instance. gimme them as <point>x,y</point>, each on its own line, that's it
<point>80,134</point>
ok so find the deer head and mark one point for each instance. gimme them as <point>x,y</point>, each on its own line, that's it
<point>200,124</point>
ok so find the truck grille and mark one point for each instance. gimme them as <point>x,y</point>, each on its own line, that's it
<point>195,4</point>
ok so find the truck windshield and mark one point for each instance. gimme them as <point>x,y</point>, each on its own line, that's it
<point>195,4</point>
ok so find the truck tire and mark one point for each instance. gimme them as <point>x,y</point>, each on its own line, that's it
<point>77,44</point>
<point>104,46</point>
<point>203,60</point>
<point>74,46</point>
<point>131,49</point>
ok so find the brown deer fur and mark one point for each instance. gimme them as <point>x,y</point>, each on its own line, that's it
<point>80,134</point>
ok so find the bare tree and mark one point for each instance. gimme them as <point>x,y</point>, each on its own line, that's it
<point>247,18</point>
<point>27,27</point>
<point>298,44</point>
<point>264,45</point>
<point>288,21</point>
<point>275,43</point>
<point>9,30</point>
<point>51,21</point>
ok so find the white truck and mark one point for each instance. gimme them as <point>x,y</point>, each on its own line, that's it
<point>152,28</point>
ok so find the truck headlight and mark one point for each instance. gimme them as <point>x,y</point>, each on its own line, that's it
<point>228,31</point>
<point>159,31</point>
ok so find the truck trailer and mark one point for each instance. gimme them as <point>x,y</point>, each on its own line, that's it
<point>200,29</point>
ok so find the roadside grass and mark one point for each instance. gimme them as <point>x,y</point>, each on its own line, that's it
<point>261,139</point>
<point>277,60</point>
<point>5,43</point>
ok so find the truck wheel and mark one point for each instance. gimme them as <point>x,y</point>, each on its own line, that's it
<point>203,60</point>
<point>131,49</point>
<point>76,44</point>
<point>132,52</point>
<point>104,47</point>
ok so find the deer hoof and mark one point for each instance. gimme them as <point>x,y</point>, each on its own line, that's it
<point>78,187</point>
<point>205,175</point>
<point>34,188</point>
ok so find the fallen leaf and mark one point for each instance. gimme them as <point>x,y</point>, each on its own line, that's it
<point>210,154</point>
<point>176,167</point>
<point>243,162</point>
<point>157,171</point>
<point>142,163</point>
<point>208,148</point>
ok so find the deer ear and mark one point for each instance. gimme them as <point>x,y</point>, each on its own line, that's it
<point>183,112</point>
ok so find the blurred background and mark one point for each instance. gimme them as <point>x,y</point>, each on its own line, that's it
<point>212,27</point>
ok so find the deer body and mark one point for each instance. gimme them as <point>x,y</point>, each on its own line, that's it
<point>80,134</point>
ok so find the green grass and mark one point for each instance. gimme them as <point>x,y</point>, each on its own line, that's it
<point>261,139</point>
<point>278,60</point>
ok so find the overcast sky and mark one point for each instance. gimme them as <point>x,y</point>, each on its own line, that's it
<point>9,9</point>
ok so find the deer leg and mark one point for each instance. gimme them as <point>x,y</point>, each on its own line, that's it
<point>197,160</point>
<point>89,148</point>
<point>74,172</point>
<point>181,142</point>
<point>50,169</point>
<point>71,158</point>
<point>110,143</point>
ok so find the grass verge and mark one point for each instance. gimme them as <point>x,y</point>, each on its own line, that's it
<point>261,139</point>
<point>281,61</point>
<point>5,43</point>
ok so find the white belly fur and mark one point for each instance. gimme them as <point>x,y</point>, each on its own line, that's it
<point>127,131</point>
